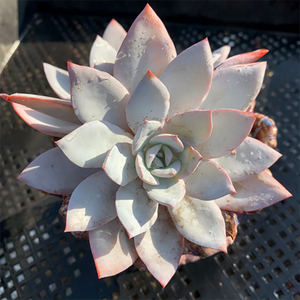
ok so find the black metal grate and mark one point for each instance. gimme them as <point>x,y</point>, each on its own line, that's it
<point>39,261</point>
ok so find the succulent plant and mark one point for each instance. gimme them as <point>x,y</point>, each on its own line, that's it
<point>150,167</point>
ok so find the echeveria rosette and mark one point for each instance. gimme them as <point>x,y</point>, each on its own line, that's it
<point>163,148</point>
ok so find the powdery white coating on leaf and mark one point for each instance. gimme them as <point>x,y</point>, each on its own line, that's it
<point>112,250</point>
<point>96,95</point>
<point>254,193</point>
<point>250,158</point>
<point>149,101</point>
<point>193,127</point>
<point>168,155</point>
<point>230,128</point>
<point>169,191</point>
<point>201,222</point>
<point>58,79</point>
<point>102,52</point>
<point>167,172</point>
<point>52,172</point>
<point>244,58</point>
<point>114,34</point>
<point>119,164</point>
<point>188,78</point>
<point>53,107</point>
<point>208,182</point>
<point>44,123</point>
<point>147,46</point>
<point>151,154</point>
<point>142,170</point>
<point>105,67</point>
<point>224,52</point>
<point>92,203</point>
<point>160,248</point>
<point>144,133</point>
<point>135,210</point>
<point>170,140</point>
<point>190,159</point>
<point>88,145</point>
<point>235,87</point>
<point>215,57</point>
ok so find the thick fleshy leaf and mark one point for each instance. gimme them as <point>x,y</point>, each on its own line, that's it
<point>151,154</point>
<point>142,170</point>
<point>88,145</point>
<point>244,58</point>
<point>102,52</point>
<point>158,162</point>
<point>114,34</point>
<point>58,79</point>
<point>147,46</point>
<point>149,101</point>
<point>193,127</point>
<point>135,210</point>
<point>43,123</point>
<point>53,107</point>
<point>144,133</point>
<point>168,155</point>
<point>250,158</point>
<point>112,250</point>
<point>188,78</point>
<point>105,67</point>
<point>53,173</point>
<point>254,193</point>
<point>230,128</point>
<point>119,164</point>
<point>169,191</point>
<point>96,95</point>
<point>201,222</point>
<point>160,248</point>
<point>170,140</point>
<point>215,57</point>
<point>167,172</point>
<point>235,87</point>
<point>190,159</point>
<point>92,203</point>
<point>224,52</point>
<point>208,182</point>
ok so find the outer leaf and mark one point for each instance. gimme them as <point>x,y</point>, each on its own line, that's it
<point>135,210</point>
<point>149,101</point>
<point>160,248</point>
<point>147,46</point>
<point>250,158</point>
<point>188,78</point>
<point>112,250</point>
<point>53,107</point>
<point>235,87</point>
<point>193,127</point>
<point>230,128</point>
<point>102,52</point>
<point>244,58</point>
<point>88,145</point>
<point>254,193</point>
<point>58,80</point>
<point>201,222</point>
<point>144,133</point>
<point>92,203</point>
<point>53,173</point>
<point>169,191</point>
<point>114,34</point>
<point>224,51</point>
<point>105,67</point>
<point>119,164</point>
<point>209,181</point>
<point>43,123</point>
<point>97,95</point>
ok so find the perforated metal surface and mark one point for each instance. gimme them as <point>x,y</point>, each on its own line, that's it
<point>39,261</point>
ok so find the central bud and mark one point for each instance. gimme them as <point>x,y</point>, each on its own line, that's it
<point>159,158</point>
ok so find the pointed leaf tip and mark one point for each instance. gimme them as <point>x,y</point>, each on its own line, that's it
<point>4,97</point>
